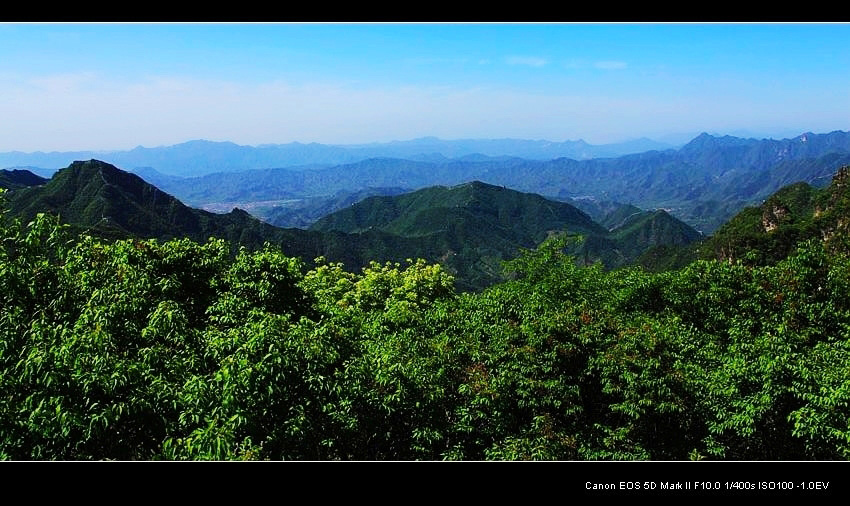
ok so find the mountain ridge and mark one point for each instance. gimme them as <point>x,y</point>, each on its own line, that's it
<point>200,157</point>
<point>487,224</point>
<point>704,183</point>
<point>462,212</point>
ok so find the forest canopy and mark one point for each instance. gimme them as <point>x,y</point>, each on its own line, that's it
<point>148,350</point>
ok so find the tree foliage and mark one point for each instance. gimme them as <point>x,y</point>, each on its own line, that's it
<point>145,350</point>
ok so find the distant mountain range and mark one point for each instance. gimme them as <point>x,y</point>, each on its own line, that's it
<point>704,183</point>
<point>200,157</point>
<point>470,228</point>
<point>430,208</point>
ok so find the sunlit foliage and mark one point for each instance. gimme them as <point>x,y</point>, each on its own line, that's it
<point>143,349</point>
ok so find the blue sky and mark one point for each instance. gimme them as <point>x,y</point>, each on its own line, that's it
<point>76,86</point>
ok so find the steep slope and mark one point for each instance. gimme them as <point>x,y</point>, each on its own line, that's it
<point>112,202</point>
<point>609,214</point>
<point>105,201</point>
<point>474,225</point>
<point>648,229</point>
<point>798,212</point>
<point>19,178</point>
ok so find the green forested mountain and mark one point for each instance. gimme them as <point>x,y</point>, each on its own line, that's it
<point>99,199</point>
<point>304,212</point>
<point>476,216</point>
<point>19,178</point>
<point>529,217</point>
<point>769,233</point>
<point>648,229</point>
<point>475,225</point>
<point>609,214</point>
<point>470,229</point>
<point>110,202</point>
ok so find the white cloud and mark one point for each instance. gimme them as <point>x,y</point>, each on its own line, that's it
<point>610,65</point>
<point>532,61</point>
<point>59,83</point>
<point>435,61</point>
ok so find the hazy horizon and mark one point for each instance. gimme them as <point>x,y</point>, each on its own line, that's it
<point>676,140</point>
<point>116,86</point>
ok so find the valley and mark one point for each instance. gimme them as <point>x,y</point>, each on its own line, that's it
<point>703,183</point>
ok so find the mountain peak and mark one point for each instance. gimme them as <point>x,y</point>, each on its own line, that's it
<point>101,198</point>
<point>701,139</point>
<point>92,164</point>
<point>700,142</point>
<point>478,185</point>
<point>91,168</point>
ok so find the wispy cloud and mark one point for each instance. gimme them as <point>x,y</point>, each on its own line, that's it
<point>574,64</point>
<point>531,61</point>
<point>435,61</point>
<point>64,82</point>
<point>610,65</point>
